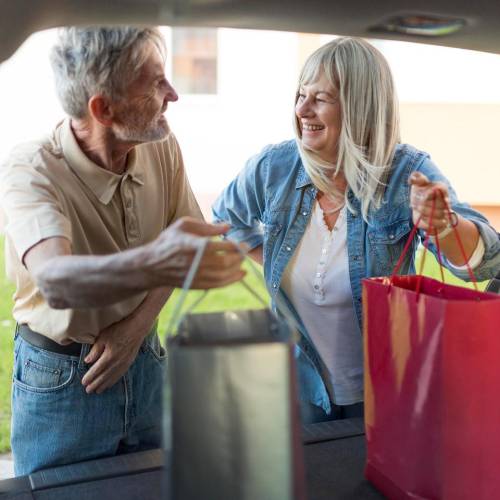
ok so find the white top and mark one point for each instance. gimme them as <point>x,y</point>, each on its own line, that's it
<point>317,283</point>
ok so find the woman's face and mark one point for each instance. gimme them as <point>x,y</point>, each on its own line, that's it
<point>318,112</point>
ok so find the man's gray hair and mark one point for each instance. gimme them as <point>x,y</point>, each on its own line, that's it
<point>89,61</point>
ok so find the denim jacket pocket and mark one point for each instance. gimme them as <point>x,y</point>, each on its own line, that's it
<point>388,242</point>
<point>272,230</point>
<point>40,371</point>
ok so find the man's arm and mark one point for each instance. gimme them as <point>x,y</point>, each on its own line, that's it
<point>117,346</point>
<point>79,281</point>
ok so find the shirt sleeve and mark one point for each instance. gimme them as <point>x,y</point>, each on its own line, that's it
<point>31,207</point>
<point>242,203</point>
<point>181,199</point>
<point>474,260</point>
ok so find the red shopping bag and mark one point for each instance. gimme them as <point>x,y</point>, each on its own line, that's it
<point>432,389</point>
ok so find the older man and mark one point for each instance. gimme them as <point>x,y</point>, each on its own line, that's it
<point>94,249</point>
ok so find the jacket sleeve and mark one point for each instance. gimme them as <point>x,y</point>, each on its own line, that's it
<point>490,264</point>
<point>242,203</point>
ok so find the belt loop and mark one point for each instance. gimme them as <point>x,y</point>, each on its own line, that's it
<point>81,361</point>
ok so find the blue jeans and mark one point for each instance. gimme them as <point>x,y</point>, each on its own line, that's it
<point>55,422</point>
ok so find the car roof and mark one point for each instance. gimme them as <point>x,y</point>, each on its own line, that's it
<point>480,18</point>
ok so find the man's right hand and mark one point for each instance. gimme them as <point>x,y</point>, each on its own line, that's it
<point>169,257</point>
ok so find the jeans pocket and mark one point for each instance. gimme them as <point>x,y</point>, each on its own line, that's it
<point>37,370</point>
<point>155,349</point>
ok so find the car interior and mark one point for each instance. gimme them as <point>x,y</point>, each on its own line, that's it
<point>452,23</point>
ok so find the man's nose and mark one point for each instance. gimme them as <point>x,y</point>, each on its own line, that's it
<point>170,94</point>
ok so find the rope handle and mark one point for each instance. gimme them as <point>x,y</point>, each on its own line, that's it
<point>178,315</point>
<point>438,247</point>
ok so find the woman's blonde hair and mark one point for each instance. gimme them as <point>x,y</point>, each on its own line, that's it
<point>370,119</point>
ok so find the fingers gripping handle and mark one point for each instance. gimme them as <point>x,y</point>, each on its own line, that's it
<point>178,315</point>
<point>426,244</point>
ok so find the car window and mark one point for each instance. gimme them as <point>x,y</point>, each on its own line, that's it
<point>450,107</point>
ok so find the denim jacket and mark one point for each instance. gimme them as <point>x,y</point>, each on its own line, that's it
<point>271,201</point>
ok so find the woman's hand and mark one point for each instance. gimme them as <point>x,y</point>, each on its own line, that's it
<point>423,195</point>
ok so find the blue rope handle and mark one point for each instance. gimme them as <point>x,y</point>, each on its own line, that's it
<point>178,316</point>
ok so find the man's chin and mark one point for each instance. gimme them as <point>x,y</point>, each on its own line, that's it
<point>134,134</point>
<point>158,133</point>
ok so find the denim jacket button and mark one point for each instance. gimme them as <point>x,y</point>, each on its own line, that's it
<point>304,213</point>
<point>275,285</point>
<point>288,249</point>
<point>391,236</point>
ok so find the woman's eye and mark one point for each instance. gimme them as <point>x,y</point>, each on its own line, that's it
<point>301,97</point>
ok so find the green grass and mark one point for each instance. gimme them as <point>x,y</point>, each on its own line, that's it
<point>431,269</point>
<point>6,345</point>
<point>231,297</point>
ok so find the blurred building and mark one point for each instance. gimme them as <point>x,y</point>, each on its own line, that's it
<point>237,90</point>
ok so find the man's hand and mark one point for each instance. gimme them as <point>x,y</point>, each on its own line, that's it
<point>112,354</point>
<point>169,257</point>
<point>423,194</point>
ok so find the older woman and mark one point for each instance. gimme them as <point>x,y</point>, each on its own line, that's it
<point>336,205</point>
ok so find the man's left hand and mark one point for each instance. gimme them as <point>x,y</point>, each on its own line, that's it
<point>114,350</point>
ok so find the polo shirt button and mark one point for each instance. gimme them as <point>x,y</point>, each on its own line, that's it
<point>304,213</point>
<point>288,249</point>
<point>391,236</point>
<point>316,287</point>
<point>275,285</point>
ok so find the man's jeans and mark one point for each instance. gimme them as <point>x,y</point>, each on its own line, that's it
<point>55,422</point>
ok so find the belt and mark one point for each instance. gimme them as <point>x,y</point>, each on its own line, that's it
<point>43,342</point>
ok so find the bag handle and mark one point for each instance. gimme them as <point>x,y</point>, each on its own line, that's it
<point>426,245</point>
<point>177,314</point>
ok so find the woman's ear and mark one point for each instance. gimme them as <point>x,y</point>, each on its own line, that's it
<point>99,108</point>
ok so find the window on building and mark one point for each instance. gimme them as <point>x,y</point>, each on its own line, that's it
<point>194,60</point>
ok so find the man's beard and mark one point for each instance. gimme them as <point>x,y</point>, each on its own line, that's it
<point>135,128</point>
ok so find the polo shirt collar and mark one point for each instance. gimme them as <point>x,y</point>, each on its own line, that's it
<point>100,181</point>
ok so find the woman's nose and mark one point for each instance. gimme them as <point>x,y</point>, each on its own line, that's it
<point>303,108</point>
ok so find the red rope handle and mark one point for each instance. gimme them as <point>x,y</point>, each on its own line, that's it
<point>438,247</point>
<point>426,248</point>
<point>461,246</point>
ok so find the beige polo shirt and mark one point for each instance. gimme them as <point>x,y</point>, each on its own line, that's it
<point>50,188</point>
